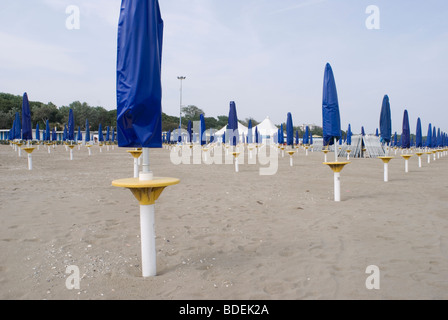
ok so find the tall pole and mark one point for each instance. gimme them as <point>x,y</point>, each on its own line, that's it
<point>180,106</point>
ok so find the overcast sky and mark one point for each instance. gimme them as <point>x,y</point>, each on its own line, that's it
<point>266,55</point>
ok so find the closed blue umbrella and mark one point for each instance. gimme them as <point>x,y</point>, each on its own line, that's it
<point>27,133</point>
<point>385,121</point>
<point>362,131</point>
<point>202,130</point>
<point>249,132</point>
<point>139,88</point>
<point>434,137</point>
<point>17,127</point>
<point>54,136</point>
<point>232,124</point>
<point>297,137</point>
<point>71,126</point>
<point>100,133</point>
<point>289,130</point>
<point>64,134</point>
<point>79,138</point>
<point>37,132</point>
<point>47,130</point>
<point>406,134</point>
<point>212,137</point>
<point>418,134</point>
<point>395,139</point>
<point>190,131</point>
<point>107,133</point>
<point>87,130</point>
<point>311,138</point>
<point>256,135</point>
<point>439,138</point>
<point>349,135</point>
<point>376,133</point>
<point>305,138</point>
<point>113,135</point>
<point>331,123</point>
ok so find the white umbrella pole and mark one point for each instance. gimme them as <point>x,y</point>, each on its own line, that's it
<point>135,167</point>
<point>335,152</point>
<point>30,162</point>
<point>386,172</point>
<point>290,160</point>
<point>147,229</point>
<point>419,162</point>
<point>406,166</point>
<point>337,186</point>
<point>148,240</point>
<point>20,152</point>
<point>71,154</point>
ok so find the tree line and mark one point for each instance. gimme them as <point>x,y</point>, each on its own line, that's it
<point>58,117</point>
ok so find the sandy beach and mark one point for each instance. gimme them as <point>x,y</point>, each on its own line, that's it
<point>222,234</point>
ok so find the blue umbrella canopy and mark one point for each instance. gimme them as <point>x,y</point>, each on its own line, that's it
<point>395,139</point>
<point>331,122</point>
<point>256,135</point>
<point>37,132</point>
<point>202,130</point>
<point>305,138</point>
<point>113,135</point>
<point>54,136</point>
<point>17,127</point>
<point>362,131</point>
<point>139,88</point>
<point>418,134</point>
<point>376,133</point>
<point>232,124</point>
<point>281,138</point>
<point>107,133</point>
<point>289,130</point>
<point>406,133</point>
<point>212,137</point>
<point>297,136</point>
<point>71,126</point>
<point>100,133</point>
<point>349,135</point>
<point>249,132</point>
<point>190,131</point>
<point>47,130</point>
<point>27,133</point>
<point>87,130</point>
<point>439,138</point>
<point>385,121</point>
<point>434,137</point>
<point>311,138</point>
<point>428,142</point>
<point>64,134</point>
<point>79,138</point>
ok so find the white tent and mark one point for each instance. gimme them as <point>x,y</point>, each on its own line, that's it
<point>266,129</point>
<point>242,131</point>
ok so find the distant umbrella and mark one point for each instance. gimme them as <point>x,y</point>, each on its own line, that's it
<point>113,135</point>
<point>256,135</point>
<point>47,131</point>
<point>406,134</point>
<point>331,123</point>
<point>376,133</point>
<point>17,127</point>
<point>249,132</point>
<point>202,130</point>
<point>64,133</point>
<point>349,135</point>
<point>362,131</point>
<point>306,135</point>
<point>395,139</point>
<point>212,137</point>
<point>71,126</point>
<point>87,130</point>
<point>37,132</point>
<point>297,137</point>
<point>232,124</point>
<point>27,133</point>
<point>107,133</point>
<point>434,137</point>
<point>385,121</point>
<point>54,137</point>
<point>418,134</point>
<point>289,130</point>
<point>100,133</point>
<point>311,138</point>
<point>439,138</point>
<point>190,131</point>
<point>79,134</point>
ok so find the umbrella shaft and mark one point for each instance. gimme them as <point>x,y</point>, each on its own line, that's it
<point>148,240</point>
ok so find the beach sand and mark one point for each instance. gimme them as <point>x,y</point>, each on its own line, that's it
<point>222,234</point>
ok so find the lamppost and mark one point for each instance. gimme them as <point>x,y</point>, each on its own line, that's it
<point>180,109</point>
